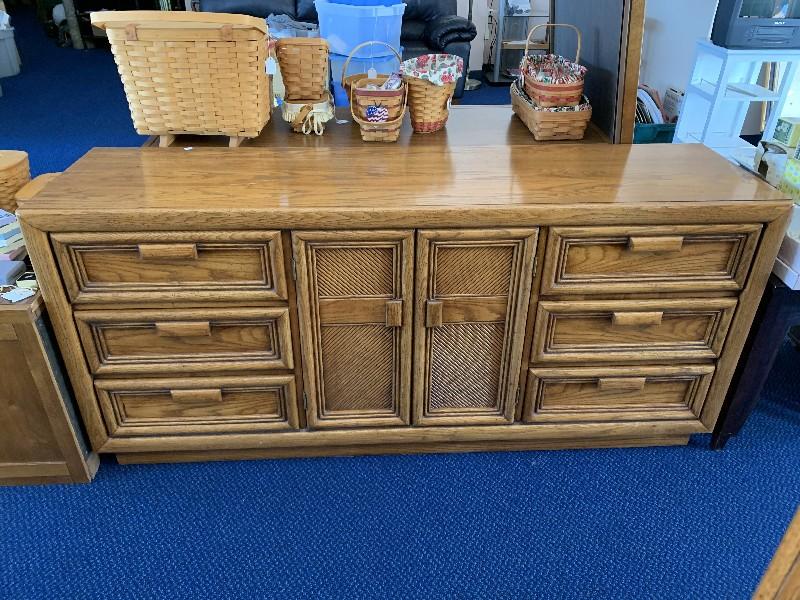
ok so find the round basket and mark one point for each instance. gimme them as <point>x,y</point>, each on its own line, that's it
<point>14,173</point>
<point>428,102</point>
<point>304,68</point>
<point>349,80</point>
<point>551,95</point>
<point>379,113</point>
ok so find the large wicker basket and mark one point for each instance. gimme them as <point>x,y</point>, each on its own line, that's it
<point>14,174</point>
<point>549,95</point>
<point>196,73</point>
<point>304,68</point>
<point>548,125</point>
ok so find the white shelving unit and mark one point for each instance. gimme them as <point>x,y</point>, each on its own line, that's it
<point>723,84</point>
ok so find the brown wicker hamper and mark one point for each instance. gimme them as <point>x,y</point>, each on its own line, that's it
<point>185,72</point>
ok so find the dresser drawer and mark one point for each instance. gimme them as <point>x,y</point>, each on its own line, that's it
<point>185,341</point>
<point>148,407</point>
<point>631,330</point>
<point>171,266</point>
<point>616,394</point>
<point>595,260</point>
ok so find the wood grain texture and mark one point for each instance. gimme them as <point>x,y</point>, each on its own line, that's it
<point>119,342</point>
<point>473,288</point>
<point>649,259</point>
<point>782,579</point>
<point>142,267</point>
<point>665,330</point>
<point>358,366</point>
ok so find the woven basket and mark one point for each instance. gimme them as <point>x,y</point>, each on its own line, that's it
<point>548,125</point>
<point>304,68</point>
<point>186,72</point>
<point>14,174</point>
<point>551,95</point>
<point>394,101</point>
<point>349,80</point>
<point>428,104</point>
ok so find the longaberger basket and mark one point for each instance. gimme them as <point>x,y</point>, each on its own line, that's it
<point>186,72</point>
<point>546,124</point>
<point>552,80</point>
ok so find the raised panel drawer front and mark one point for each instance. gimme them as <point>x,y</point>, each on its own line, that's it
<point>355,290</point>
<point>595,260</point>
<point>473,290</point>
<point>185,341</point>
<point>171,266</point>
<point>165,407</point>
<point>609,394</point>
<point>631,330</point>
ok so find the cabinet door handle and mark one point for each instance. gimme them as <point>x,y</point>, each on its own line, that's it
<point>656,244</point>
<point>394,313</point>
<point>183,329</point>
<point>204,396</point>
<point>433,313</point>
<point>167,251</point>
<point>622,384</point>
<point>636,319</point>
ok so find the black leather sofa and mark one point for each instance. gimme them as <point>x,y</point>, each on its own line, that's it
<point>428,25</point>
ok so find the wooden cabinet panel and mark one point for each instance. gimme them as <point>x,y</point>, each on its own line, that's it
<point>593,260</point>
<point>473,289</point>
<point>163,407</point>
<point>631,330</point>
<point>355,302</point>
<point>152,267</point>
<point>585,394</point>
<point>185,341</point>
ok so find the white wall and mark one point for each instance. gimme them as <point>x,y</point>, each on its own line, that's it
<point>671,28</point>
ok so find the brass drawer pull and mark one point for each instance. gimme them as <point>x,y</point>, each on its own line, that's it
<point>183,329</point>
<point>636,319</point>
<point>204,396</point>
<point>167,251</point>
<point>433,314</point>
<point>394,313</point>
<point>656,244</point>
<point>622,384</point>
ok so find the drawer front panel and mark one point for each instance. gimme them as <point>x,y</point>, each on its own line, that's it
<point>355,302</point>
<point>594,260</point>
<point>157,267</point>
<point>631,330</point>
<point>612,394</point>
<point>185,341</point>
<point>155,407</point>
<point>473,290</point>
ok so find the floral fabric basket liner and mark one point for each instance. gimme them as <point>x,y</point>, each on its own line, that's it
<point>439,69</point>
<point>552,68</point>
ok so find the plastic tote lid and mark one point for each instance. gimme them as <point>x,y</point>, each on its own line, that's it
<point>439,69</point>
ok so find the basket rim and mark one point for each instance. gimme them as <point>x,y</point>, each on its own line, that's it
<point>110,19</point>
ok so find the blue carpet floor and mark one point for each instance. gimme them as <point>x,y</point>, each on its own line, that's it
<point>639,523</point>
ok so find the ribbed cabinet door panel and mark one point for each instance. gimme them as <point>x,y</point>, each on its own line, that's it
<point>473,291</point>
<point>355,294</point>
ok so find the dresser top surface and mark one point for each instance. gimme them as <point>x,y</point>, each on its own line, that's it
<point>375,176</point>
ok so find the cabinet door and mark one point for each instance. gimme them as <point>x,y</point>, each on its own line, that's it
<point>473,291</point>
<point>355,301</point>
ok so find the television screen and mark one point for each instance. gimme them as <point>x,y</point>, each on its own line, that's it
<point>770,9</point>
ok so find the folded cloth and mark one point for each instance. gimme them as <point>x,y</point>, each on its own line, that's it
<point>448,29</point>
<point>283,26</point>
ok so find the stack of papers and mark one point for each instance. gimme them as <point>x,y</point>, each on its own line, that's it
<point>12,245</point>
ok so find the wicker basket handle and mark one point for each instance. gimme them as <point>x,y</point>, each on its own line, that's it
<point>359,47</point>
<point>554,25</point>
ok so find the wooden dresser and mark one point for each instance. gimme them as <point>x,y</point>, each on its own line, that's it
<point>228,303</point>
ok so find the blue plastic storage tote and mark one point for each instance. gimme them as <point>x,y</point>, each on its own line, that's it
<point>382,64</point>
<point>345,26</point>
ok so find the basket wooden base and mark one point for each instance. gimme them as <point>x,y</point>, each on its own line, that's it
<point>167,139</point>
<point>547,125</point>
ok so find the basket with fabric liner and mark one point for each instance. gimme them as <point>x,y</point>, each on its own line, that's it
<point>553,94</point>
<point>191,73</point>
<point>304,68</point>
<point>14,174</point>
<point>349,80</point>
<point>364,100</point>
<point>549,125</point>
<point>429,102</point>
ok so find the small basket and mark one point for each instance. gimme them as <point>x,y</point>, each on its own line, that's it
<point>550,95</point>
<point>14,174</point>
<point>547,125</point>
<point>429,103</point>
<point>393,101</point>
<point>349,80</point>
<point>304,68</point>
